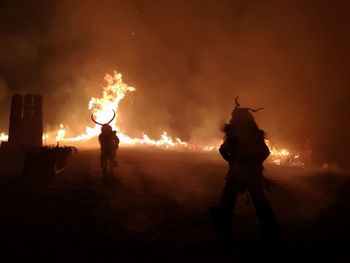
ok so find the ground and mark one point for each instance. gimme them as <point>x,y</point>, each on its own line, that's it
<point>157,211</point>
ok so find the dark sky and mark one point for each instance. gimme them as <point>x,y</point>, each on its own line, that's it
<point>187,60</point>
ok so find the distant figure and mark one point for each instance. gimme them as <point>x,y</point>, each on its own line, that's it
<point>109,143</point>
<point>245,151</point>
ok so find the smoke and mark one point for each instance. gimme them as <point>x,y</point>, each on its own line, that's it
<point>187,60</point>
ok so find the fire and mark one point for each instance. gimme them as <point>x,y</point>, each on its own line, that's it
<point>60,133</point>
<point>4,137</point>
<point>283,156</point>
<point>164,141</point>
<point>113,92</point>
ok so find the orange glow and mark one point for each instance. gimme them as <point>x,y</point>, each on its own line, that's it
<point>60,133</point>
<point>283,156</point>
<point>113,92</point>
<point>4,137</point>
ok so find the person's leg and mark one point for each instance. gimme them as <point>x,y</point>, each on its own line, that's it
<point>104,165</point>
<point>114,158</point>
<point>264,212</point>
<point>221,216</point>
<point>111,164</point>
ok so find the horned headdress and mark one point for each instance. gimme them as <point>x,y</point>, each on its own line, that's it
<point>105,126</point>
<point>237,107</point>
<point>243,113</point>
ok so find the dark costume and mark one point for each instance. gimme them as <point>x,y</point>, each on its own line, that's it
<point>245,150</point>
<point>109,143</point>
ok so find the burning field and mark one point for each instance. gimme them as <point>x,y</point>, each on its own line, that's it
<point>168,72</point>
<point>157,204</point>
<point>102,108</point>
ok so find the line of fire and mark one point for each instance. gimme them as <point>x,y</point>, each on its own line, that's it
<point>26,130</point>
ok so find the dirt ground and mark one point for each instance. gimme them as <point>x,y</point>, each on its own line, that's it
<point>157,211</point>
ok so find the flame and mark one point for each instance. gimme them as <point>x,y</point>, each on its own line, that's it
<point>283,156</point>
<point>4,137</point>
<point>113,92</point>
<point>60,133</point>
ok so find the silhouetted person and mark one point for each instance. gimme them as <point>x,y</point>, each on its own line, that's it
<point>245,150</point>
<point>109,143</point>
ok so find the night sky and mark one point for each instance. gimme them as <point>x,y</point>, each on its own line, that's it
<point>188,60</point>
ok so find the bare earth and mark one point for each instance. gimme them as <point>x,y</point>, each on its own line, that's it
<point>157,210</point>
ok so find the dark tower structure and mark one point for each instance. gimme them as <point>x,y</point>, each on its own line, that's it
<point>26,120</point>
<point>15,126</point>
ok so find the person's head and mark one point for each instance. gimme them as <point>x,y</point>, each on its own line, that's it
<point>241,118</point>
<point>106,128</point>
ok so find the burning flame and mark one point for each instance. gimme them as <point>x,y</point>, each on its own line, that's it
<point>113,92</point>
<point>4,137</point>
<point>60,133</point>
<point>283,156</point>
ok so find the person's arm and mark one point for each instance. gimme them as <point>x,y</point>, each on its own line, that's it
<point>225,151</point>
<point>116,141</point>
<point>262,151</point>
<point>266,152</point>
<point>100,139</point>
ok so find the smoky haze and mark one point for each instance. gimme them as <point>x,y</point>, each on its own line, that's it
<point>187,61</point>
